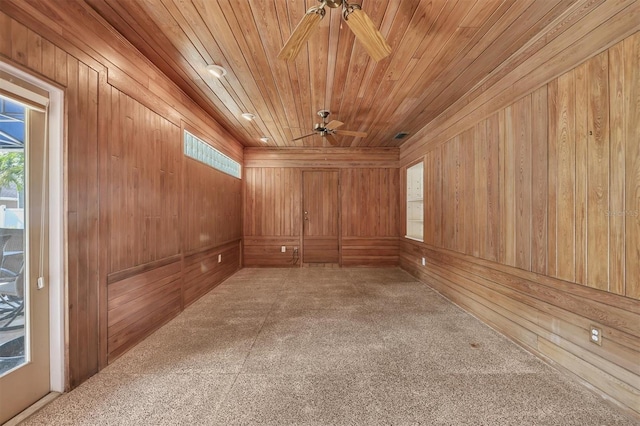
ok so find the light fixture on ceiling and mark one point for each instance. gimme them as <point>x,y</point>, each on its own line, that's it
<point>216,70</point>
<point>264,139</point>
<point>248,116</point>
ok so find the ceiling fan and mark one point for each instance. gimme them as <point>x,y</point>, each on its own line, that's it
<point>358,21</point>
<point>328,130</point>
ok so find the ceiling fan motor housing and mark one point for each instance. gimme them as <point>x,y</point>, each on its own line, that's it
<point>334,3</point>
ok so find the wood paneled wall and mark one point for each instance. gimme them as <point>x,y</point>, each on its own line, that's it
<point>212,207</point>
<point>531,218</point>
<point>145,168</point>
<point>131,255</point>
<point>369,207</point>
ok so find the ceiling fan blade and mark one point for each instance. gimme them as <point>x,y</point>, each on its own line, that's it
<point>351,133</point>
<point>301,34</point>
<point>334,124</point>
<point>367,34</point>
<point>332,140</point>
<point>302,137</point>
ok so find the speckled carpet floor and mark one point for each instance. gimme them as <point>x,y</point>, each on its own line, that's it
<point>318,346</point>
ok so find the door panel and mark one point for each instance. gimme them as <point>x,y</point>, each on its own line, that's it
<point>28,379</point>
<point>320,214</point>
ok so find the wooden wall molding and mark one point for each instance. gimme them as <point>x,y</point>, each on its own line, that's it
<point>369,211</point>
<point>531,213</point>
<point>125,177</point>
<point>202,271</point>
<point>550,320</point>
<point>322,157</point>
<point>140,304</point>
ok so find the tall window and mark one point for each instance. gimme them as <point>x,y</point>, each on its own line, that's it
<point>415,202</point>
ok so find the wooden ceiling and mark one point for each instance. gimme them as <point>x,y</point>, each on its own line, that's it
<point>441,49</point>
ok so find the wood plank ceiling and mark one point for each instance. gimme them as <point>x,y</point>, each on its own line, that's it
<point>441,49</point>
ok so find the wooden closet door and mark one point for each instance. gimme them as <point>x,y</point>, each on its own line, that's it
<point>320,216</point>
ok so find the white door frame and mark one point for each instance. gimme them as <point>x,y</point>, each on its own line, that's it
<point>57,225</point>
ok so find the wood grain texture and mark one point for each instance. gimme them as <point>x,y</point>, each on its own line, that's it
<point>531,312</point>
<point>369,251</point>
<point>325,157</point>
<point>586,29</point>
<point>261,251</point>
<point>321,222</point>
<point>202,270</point>
<point>145,153</point>
<point>211,207</point>
<point>598,167</point>
<point>439,50</point>
<point>617,135</point>
<point>123,163</point>
<point>368,202</point>
<point>567,191</point>
<point>631,211</point>
<point>138,305</point>
<point>272,202</point>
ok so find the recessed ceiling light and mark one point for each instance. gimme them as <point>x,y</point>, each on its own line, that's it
<point>248,116</point>
<point>264,139</point>
<point>217,70</point>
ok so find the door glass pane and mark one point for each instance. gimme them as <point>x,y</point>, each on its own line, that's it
<point>13,351</point>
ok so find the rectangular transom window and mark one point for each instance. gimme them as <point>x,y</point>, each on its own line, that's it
<point>198,149</point>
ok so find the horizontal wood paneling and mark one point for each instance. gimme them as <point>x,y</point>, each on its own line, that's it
<point>124,172</point>
<point>369,211</point>
<point>321,249</point>
<point>550,320</point>
<point>322,157</point>
<point>552,183</point>
<point>202,271</point>
<point>266,251</point>
<point>370,251</point>
<point>140,304</point>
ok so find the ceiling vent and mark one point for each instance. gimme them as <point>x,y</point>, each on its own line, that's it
<point>401,135</point>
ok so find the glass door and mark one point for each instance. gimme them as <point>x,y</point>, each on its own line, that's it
<point>24,295</point>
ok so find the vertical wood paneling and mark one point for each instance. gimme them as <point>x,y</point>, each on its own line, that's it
<point>581,178</point>
<point>369,201</point>
<point>617,137</point>
<point>81,100</point>
<point>492,249</point>
<point>565,175</point>
<point>481,189</point>
<point>448,196</point>
<point>632,167</point>
<point>522,167</point>
<point>509,195</point>
<point>468,149</point>
<point>539,180</point>
<point>598,174</point>
<point>123,174</point>
<point>568,194</point>
<point>552,176</point>
<point>369,214</point>
<point>432,199</point>
<point>145,151</point>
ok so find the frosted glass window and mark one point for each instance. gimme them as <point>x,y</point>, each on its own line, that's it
<point>415,202</point>
<point>198,149</point>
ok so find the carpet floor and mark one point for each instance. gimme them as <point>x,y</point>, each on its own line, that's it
<point>316,346</point>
